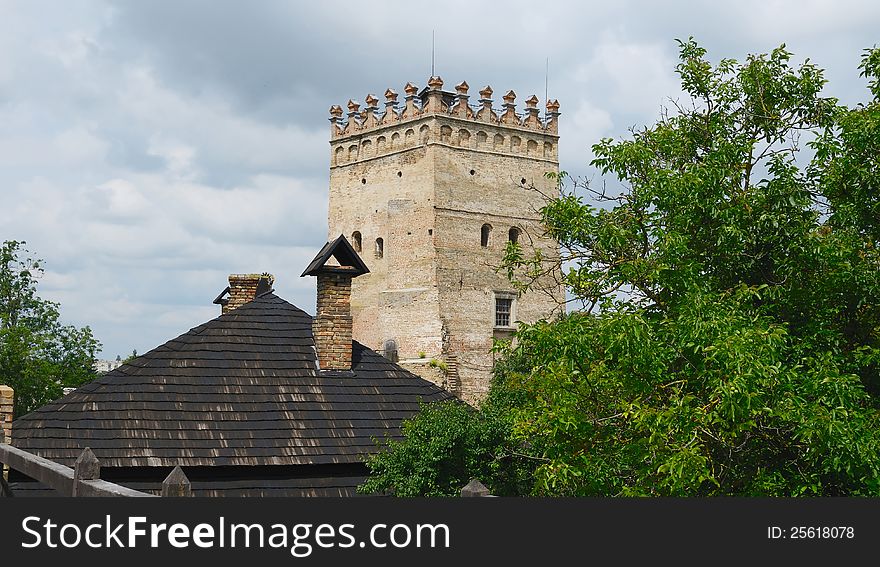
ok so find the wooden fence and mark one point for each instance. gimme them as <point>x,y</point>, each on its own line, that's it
<point>83,480</point>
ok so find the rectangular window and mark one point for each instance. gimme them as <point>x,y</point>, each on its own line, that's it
<point>503,308</point>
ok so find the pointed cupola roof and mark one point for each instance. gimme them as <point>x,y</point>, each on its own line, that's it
<point>345,255</point>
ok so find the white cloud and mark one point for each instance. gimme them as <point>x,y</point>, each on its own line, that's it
<point>147,150</point>
<point>634,78</point>
<point>586,126</point>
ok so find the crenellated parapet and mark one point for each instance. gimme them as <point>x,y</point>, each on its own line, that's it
<point>369,133</point>
<point>434,101</point>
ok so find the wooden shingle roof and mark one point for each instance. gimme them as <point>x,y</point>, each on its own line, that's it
<point>240,390</point>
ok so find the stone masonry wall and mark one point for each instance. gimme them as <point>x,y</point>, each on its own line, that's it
<point>391,199</point>
<point>425,179</point>
<point>504,191</point>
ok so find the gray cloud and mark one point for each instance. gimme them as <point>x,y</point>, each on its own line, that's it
<point>148,149</point>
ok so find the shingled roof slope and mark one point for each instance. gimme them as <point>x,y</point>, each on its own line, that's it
<point>242,389</point>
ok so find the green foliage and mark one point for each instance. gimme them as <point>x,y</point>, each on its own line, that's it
<point>38,355</point>
<point>446,445</point>
<point>735,346</point>
<point>715,400</point>
<point>730,338</point>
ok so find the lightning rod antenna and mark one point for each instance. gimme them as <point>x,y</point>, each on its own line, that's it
<point>546,80</point>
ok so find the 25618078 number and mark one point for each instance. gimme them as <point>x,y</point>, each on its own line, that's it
<point>811,532</point>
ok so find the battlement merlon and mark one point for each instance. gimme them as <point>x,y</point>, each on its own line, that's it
<point>434,101</point>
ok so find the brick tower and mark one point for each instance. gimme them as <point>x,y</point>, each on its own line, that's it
<point>429,192</point>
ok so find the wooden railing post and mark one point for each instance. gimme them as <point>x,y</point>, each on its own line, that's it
<point>475,488</point>
<point>87,468</point>
<point>176,484</point>
<point>5,492</point>
<point>82,481</point>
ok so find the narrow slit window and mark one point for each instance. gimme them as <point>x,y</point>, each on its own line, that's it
<point>356,241</point>
<point>513,235</point>
<point>380,248</point>
<point>485,231</point>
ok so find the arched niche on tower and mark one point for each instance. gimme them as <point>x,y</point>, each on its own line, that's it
<point>532,148</point>
<point>515,143</point>
<point>482,140</point>
<point>445,134</point>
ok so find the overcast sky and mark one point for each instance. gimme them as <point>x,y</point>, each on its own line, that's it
<point>150,148</point>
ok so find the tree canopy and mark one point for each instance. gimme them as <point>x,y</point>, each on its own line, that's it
<point>729,273</point>
<point>39,356</point>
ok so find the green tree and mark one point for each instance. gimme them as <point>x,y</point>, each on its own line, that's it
<point>730,338</point>
<point>38,355</point>
<point>447,444</point>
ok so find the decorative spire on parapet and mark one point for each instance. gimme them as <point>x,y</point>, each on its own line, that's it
<point>531,120</point>
<point>410,109</point>
<point>553,116</point>
<point>438,102</point>
<point>353,116</point>
<point>390,107</point>
<point>434,104</point>
<point>486,114</point>
<point>368,116</point>
<point>335,120</point>
<point>509,116</point>
<point>461,108</point>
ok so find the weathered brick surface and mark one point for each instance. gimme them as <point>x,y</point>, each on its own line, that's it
<point>425,183</point>
<point>422,367</point>
<point>7,399</point>
<point>243,289</point>
<point>332,325</point>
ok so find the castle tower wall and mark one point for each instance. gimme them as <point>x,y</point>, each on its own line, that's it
<point>426,178</point>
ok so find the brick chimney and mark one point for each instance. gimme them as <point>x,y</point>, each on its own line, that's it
<point>7,399</point>
<point>334,266</point>
<point>243,288</point>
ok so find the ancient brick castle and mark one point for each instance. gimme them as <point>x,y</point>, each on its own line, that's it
<point>429,191</point>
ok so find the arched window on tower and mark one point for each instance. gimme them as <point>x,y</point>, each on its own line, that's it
<point>484,235</point>
<point>513,235</point>
<point>380,248</point>
<point>356,241</point>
